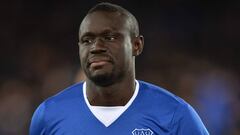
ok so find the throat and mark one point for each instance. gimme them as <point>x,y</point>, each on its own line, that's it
<point>111,96</point>
<point>106,98</point>
<point>108,101</point>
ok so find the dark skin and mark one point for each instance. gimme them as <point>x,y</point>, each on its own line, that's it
<point>107,53</point>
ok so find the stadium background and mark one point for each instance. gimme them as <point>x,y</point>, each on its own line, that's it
<point>191,49</point>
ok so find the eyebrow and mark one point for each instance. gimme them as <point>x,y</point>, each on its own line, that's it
<point>104,32</point>
<point>88,34</point>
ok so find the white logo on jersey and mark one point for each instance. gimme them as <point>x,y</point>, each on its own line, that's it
<point>142,131</point>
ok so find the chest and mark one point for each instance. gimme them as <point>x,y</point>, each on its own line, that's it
<point>128,123</point>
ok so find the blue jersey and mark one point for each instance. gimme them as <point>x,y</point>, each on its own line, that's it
<point>154,111</point>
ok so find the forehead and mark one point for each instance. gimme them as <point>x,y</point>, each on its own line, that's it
<point>99,21</point>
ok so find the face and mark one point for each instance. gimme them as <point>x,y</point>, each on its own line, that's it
<point>105,47</point>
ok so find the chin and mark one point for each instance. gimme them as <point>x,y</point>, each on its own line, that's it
<point>103,80</point>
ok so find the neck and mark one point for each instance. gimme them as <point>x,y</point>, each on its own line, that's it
<point>117,94</point>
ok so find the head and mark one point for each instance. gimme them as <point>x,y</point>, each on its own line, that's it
<point>109,40</point>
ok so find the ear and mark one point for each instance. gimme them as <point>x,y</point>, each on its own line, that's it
<point>138,43</point>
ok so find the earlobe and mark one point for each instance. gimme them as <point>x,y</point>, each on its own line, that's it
<point>138,45</point>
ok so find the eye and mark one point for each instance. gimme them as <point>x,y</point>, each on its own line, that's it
<point>110,37</point>
<point>87,40</point>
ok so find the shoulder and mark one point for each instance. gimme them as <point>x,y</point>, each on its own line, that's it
<point>160,94</point>
<point>70,93</point>
<point>159,99</point>
<point>66,98</point>
<point>54,106</point>
<point>164,99</point>
<point>181,115</point>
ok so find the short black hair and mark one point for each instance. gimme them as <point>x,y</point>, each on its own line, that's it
<point>109,7</point>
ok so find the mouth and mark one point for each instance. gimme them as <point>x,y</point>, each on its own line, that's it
<point>96,62</point>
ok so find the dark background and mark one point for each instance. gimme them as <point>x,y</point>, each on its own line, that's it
<point>191,49</point>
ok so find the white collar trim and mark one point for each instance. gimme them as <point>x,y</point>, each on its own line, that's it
<point>107,115</point>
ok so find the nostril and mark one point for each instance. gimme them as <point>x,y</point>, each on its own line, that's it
<point>98,47</point>
<point>95,50</point>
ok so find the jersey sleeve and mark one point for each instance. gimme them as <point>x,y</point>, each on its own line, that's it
<point>37,126</point>
<point>188,122</point>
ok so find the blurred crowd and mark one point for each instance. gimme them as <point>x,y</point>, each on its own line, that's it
<point>38,77</point>
<point>191,49</point>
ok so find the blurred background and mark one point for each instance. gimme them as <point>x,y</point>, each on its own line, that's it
<point>191,49</point>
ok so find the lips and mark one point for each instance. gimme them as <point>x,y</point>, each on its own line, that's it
<point>99,61</point>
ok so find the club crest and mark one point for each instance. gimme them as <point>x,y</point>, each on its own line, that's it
<point>142,131</point>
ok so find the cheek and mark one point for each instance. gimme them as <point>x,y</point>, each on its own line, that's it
<point>128,47</point>
<point>124,55</point>
<point>127,51</point>
<point>82,54</point>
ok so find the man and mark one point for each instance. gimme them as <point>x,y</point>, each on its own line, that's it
<point>111,101</point>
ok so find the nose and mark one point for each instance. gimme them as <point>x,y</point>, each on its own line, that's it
<point>98,47</point>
